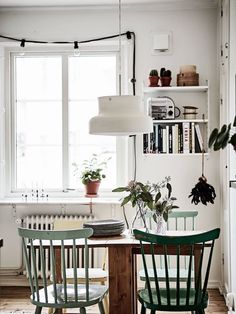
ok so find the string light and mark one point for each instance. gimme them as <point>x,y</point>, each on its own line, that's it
<point>22,46</point>
<point>129,35</point>
<point>76,49</point>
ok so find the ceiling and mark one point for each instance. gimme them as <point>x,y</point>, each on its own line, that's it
<point>58,3</point>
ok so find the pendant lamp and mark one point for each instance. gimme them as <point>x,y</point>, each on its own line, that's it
<point>120,115</point>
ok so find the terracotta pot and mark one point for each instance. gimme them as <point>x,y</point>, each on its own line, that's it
<point>92,187</point>
<point>165,81</point>
<point>153,81</point>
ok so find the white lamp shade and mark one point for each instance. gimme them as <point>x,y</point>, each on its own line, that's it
<point>120,115</point>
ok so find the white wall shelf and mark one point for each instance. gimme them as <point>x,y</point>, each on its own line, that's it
<point>177,136</point>
<point>203,88</point>
<point>173,121</point>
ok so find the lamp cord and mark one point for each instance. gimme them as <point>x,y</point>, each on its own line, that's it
<point>135,158</point>
<point>120,82</point>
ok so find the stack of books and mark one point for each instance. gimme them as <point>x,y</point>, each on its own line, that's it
<point>177,138</point>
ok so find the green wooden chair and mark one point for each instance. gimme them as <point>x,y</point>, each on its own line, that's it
<point>59,295</point>
<point>190,295</point>
<point>178,220</point>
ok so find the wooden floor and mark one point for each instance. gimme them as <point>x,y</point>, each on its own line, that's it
<point>16,300</point>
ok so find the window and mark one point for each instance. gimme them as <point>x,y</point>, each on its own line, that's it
<point>53,96</point>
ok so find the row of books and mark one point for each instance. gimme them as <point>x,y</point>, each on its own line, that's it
<point>176,138</point>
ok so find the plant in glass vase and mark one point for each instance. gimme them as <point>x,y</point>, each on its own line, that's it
<point>153,200</point>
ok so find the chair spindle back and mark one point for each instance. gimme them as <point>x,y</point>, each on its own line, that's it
<point>180,294</point>
<point>54,241</point>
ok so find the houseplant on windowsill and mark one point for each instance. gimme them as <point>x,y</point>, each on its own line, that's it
<point>92,174</point>
<point>150,202</point>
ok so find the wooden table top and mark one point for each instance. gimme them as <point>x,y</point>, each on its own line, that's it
<point>123,239</point>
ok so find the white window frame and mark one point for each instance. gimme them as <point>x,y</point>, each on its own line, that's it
<point>8,139</point>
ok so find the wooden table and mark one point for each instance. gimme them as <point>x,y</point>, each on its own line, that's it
<point>122,252</point>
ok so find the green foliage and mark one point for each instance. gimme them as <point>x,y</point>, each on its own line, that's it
<point>153,73</point>
<point>92,168</point>
<point>220,138</point>
<point>149,197</point>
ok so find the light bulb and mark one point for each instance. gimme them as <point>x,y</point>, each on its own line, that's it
<point>22,47</point>
<point>76,49</point>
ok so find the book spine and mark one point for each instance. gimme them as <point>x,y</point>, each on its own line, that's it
<point>167,139</point>
<point>159,139</point>
<point>193,136</point>
<point>170,139</point>
<point>151,142</point>
<point>175,138</point>
<point>156,137</point>
<point>145,143</point>
<point>164,141</point>
<point>199,136</point>
<point>186,141</point>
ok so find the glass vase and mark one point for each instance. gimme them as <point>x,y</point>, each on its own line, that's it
<point>161,225</point>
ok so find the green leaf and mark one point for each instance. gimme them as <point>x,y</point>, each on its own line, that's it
<point>154,217</point>
<point>234,124</point>
<point>169,187</point>
<point>212,137</point>
<point>158,196</point>
<point>126,200</point>
<point>164,205</point>
<point>165,216</point>
<point>150,205</point>
<point>233,140</point>
<point>221,137</point>
<point>226,139</point>
<point>146,196</point>
<point>120,189</point>
<point>174,206</point>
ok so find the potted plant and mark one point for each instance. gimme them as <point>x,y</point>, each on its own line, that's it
<point>219,138</point>
<point>92,173</point>
<point>153,78</point>
<point>165,77</point>
<point>150,202</point>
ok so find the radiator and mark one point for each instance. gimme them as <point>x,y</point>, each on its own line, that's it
<point>46,222</point>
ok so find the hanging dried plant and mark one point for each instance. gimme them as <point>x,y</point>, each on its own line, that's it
<point>203,192</point>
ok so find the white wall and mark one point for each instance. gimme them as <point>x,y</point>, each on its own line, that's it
<point>194,42</point>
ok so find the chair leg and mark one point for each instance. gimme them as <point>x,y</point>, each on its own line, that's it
<point>153,312</point>
<point>82,310</point>
<point>38,310</point>
<point>143,310</point>
<point>101,307</point>
<point>106,303</point>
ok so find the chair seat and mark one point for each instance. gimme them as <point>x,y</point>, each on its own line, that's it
<point>96,294</point>
<point>94,273</point>
<point>172,272</point>
<point>144,299</point>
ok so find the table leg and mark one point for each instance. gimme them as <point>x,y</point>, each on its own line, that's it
<point>120,280</point>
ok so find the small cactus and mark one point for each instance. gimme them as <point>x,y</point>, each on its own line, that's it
<point>162,72</point>
<point>165,73</point>
<point>153,73</point>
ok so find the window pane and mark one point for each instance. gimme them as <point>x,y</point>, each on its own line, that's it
<point>90,77</point>
<point>38,122</point>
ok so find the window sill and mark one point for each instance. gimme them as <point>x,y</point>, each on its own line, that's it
<point>60,200</point>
